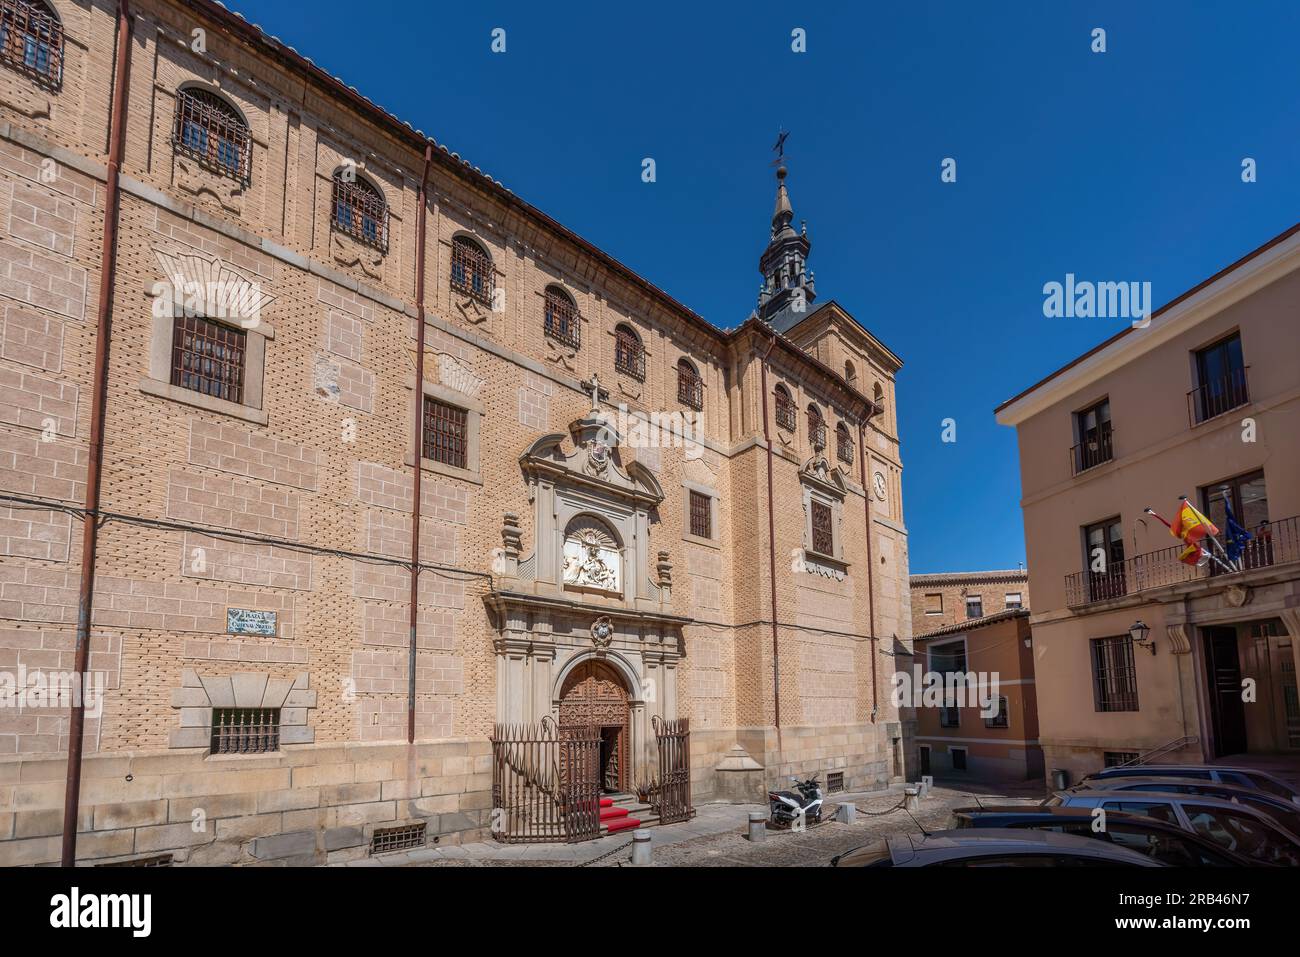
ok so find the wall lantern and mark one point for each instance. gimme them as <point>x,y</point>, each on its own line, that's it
<point>1140,632</point>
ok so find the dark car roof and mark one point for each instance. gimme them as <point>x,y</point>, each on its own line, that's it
<point>1153,780</point>
<point>993,841</point>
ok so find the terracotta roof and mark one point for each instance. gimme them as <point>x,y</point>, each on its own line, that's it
<point>973,623</point>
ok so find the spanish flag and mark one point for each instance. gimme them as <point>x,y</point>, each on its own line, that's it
<point>1191,555</point>
<point>1190,525</point>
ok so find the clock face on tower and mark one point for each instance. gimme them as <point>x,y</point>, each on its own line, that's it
<point>880,485</point>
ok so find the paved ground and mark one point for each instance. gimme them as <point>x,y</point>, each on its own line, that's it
<point>715,836</point>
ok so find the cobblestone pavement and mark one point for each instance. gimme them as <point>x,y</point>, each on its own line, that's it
<point>715,836</point>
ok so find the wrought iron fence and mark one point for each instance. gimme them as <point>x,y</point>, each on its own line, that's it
<point>674,792</point>
<point>1271,543</point>
<point>545,785</point>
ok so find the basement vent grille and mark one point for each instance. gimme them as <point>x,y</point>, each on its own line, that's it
<point>834,782</point>
<point>402,838</point>
<point>153,860</point>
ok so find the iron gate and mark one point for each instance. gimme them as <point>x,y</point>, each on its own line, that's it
<point>545,785</point>
<point>674,740</point>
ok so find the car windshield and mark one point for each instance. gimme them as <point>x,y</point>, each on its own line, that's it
<point>1271,786</point>
<point>1252,838</point>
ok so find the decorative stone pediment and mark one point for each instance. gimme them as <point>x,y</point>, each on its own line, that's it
<point>207,286</point>
<point>199,181</point>
<point>594,462</point>
<point>821,475</point>
<point>353,254</point>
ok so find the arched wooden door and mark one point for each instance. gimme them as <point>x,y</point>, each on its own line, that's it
<point>594,696</point>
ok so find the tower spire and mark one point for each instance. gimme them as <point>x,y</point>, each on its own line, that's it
<point>787,289</point>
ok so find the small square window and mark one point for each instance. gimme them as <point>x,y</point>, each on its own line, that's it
<point>934,603</point>
<point>208,357</point>
<point>701,515</point>
<point>245,730</point>
<point>974,606</point>
<point>445,433</point>
<point>834,782</point>
<point>1014,600</point>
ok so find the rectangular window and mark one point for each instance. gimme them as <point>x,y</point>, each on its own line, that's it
<point>1249,499</point>
<point>1014,600</point>
<point>399,838</point>
<point>208,357</point>
<point>834,782</point>
<point>974,606</point>
<point>934,603</point>
<point>445,433</point>
<point>1104,560</point>
<point>245,730</point>
<point>1093,428</point>
<point>1114,680</point>
<point>823,538</point>
<point>999,720</point>
<point>1220,379</point>
<point>958,758</point>
<point>949,716</point>
<point>949,658</point>
<point>1114,759</point>
<point>701,515</point>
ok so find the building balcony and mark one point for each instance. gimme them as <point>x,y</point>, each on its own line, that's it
<point>1273,544</point>
<point>1218,396</point>
<point>1096,450</point>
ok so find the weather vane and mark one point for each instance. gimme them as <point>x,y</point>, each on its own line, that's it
<point>779,148</point>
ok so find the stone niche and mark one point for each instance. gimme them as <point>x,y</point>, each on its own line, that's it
<point>589,591</point>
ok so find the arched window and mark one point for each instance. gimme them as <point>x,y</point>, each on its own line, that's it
<point>843,444</point>
<point>31,39</point>
<point>850,374</point>
<point>690,387</point>
<point>212,131</point>
<point>471,269</point>
<point>360,209</point>
<point>629,354</point>
<point>786,418</point>
<point>878,395</point>
<point>816,427</point>
<point>562,323</point>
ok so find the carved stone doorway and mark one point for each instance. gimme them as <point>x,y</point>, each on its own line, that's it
<point>594,696</point>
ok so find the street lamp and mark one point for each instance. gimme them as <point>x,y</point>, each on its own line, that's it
<point>1139,632</point>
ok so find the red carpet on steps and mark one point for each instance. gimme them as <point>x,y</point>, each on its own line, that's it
<point>606,802</point>
<point>622,824</point>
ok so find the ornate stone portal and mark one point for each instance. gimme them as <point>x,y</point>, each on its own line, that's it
<point>588,608</point>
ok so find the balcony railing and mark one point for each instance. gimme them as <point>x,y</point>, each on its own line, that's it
<point>1093,451</point>
<point>1273,543</point>
<point>1218,396</point>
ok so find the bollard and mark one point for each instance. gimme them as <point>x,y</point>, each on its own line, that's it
<point>913,800</point>
<point>640,848</point>
<point>757,826</point>
<point>846,813</point>
<point>927,781</point>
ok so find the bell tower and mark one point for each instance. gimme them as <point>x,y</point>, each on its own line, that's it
<point>788,288</point>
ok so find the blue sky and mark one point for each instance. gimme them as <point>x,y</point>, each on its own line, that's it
<point>1123,165</point>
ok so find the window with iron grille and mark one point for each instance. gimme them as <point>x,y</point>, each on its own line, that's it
<point>212,131</point>
<point>1000,719</point>
<point>786,417</point>
<point>445,433</point>
<point>152,860</point>
<point>208,357</point>
<point>816,428</point>
<point>949,716</point>
<point>360,210</point>
<point>471,269</point>
<point>823,538</point>
<point>245,730</point>
<point>31,40</point>
<point>1114,680</point>
<point>401,838</point>
<point>690,387</point>
<point>1114,759</point>
<point>834,782</point>
<point>701,515</point>
<point>629,354</point>
<point>562,323</point>
<point>843,444</point>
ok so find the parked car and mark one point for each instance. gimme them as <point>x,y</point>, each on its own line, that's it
<point>1279,809</point>
<point>1237,827</point>
<point>992,847</point>
<point>1244,777</point>
<point>1165,843</point>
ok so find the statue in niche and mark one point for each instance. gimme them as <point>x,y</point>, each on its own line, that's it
<point>591,558</point>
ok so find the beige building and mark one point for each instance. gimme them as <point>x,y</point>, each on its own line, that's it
<point>1136,652</point>
<point>626,515</point>
<point>948,598</point>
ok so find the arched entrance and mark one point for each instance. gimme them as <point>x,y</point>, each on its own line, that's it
<point>595,696</point>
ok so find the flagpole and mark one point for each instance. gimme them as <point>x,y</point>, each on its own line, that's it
<point>1208,554</point>
<point>1225,560</point>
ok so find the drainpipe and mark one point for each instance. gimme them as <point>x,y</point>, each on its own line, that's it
<point>417,444</point>
<point>771,547</point>
<point>871,570</point>
<point>98,400</point>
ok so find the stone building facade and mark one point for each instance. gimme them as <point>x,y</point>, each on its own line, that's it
<point>594,470</point>
<point>949,598</point>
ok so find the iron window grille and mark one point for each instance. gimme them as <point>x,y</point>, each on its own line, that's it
<point>823,537</point>
<point>834,782</point>
<point>210,130</point>
<point>690,387</point>
<point>629,354</point>
<point>31,40</point>
<point>445,433</point>
<point>1117,759</point>
<point>843,445</point>
<point>1113,677</point>
<point>401,838</point>
<point>360,211</point>
<point>562,321</point>
<point>786,417</point>
<point>998,720</point>
<point>208,357</point>
<point>471,270</point>
<point>245,730</point>
<point>816,428</point>
<point>153,860</point>
<point>701,515</point>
